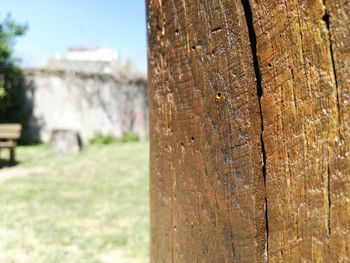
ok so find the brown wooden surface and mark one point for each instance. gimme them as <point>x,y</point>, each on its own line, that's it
<point>210,170</point>
<point>339,29</point>
<point>10,131</point>
<point>305,81</point>
<point>207,182</point>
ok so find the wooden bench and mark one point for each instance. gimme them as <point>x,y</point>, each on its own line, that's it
<point>9,134</point>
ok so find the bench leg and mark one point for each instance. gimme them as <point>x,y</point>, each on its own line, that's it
<point>12,156</point>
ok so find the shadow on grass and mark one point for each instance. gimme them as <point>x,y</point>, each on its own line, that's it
<point>5,163</point>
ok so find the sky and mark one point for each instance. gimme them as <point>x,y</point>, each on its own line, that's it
<point>56,25</point>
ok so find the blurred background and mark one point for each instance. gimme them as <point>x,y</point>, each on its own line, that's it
<point>73,131</point>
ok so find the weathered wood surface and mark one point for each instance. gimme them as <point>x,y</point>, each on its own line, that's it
<point>339,29</point>
<point>207,181</point>
<point>305,82</point>
<point>249,109</point>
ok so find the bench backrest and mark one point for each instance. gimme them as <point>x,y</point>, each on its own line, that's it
<point>10,131</point>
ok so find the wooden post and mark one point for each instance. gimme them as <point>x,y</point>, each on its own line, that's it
<point>12,155</point>
<point>250,136</point>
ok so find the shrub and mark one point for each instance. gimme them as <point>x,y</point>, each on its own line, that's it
<point>100,139</point>
<point>130,137</point>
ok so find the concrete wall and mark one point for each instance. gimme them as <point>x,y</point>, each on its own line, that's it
<point>89,103</point>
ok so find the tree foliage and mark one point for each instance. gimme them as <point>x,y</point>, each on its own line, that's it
<point>12,93</point>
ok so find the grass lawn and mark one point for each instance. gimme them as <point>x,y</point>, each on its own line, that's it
<point>90,207</point>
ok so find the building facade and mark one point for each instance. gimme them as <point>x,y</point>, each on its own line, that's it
<point>88,94</point>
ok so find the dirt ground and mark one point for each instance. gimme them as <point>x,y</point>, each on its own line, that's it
<point>19,172</point>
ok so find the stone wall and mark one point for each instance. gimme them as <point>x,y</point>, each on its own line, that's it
<point>89,103</point>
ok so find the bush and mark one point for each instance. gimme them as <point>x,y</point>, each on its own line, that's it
<point>100,139</point>
<point>130,137</point>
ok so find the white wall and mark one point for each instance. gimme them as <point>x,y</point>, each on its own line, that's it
<point>88,103</point>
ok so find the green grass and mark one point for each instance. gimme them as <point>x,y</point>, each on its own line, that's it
<point>91,207</point>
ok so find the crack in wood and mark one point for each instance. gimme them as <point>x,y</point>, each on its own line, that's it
<point>326,18</point>
<point>329,200</point>
<point>253,42</point>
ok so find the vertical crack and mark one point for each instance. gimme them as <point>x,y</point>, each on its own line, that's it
<point>252,38</point>
<point>326,19</point>
<point>329,200</point>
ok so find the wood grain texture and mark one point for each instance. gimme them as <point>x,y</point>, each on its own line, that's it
<point>250,137</point>
<point>307,171</point>
<point>338,23</point>
<point>207,184</point>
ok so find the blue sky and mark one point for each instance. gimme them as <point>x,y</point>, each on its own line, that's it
<point>55,25</point>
